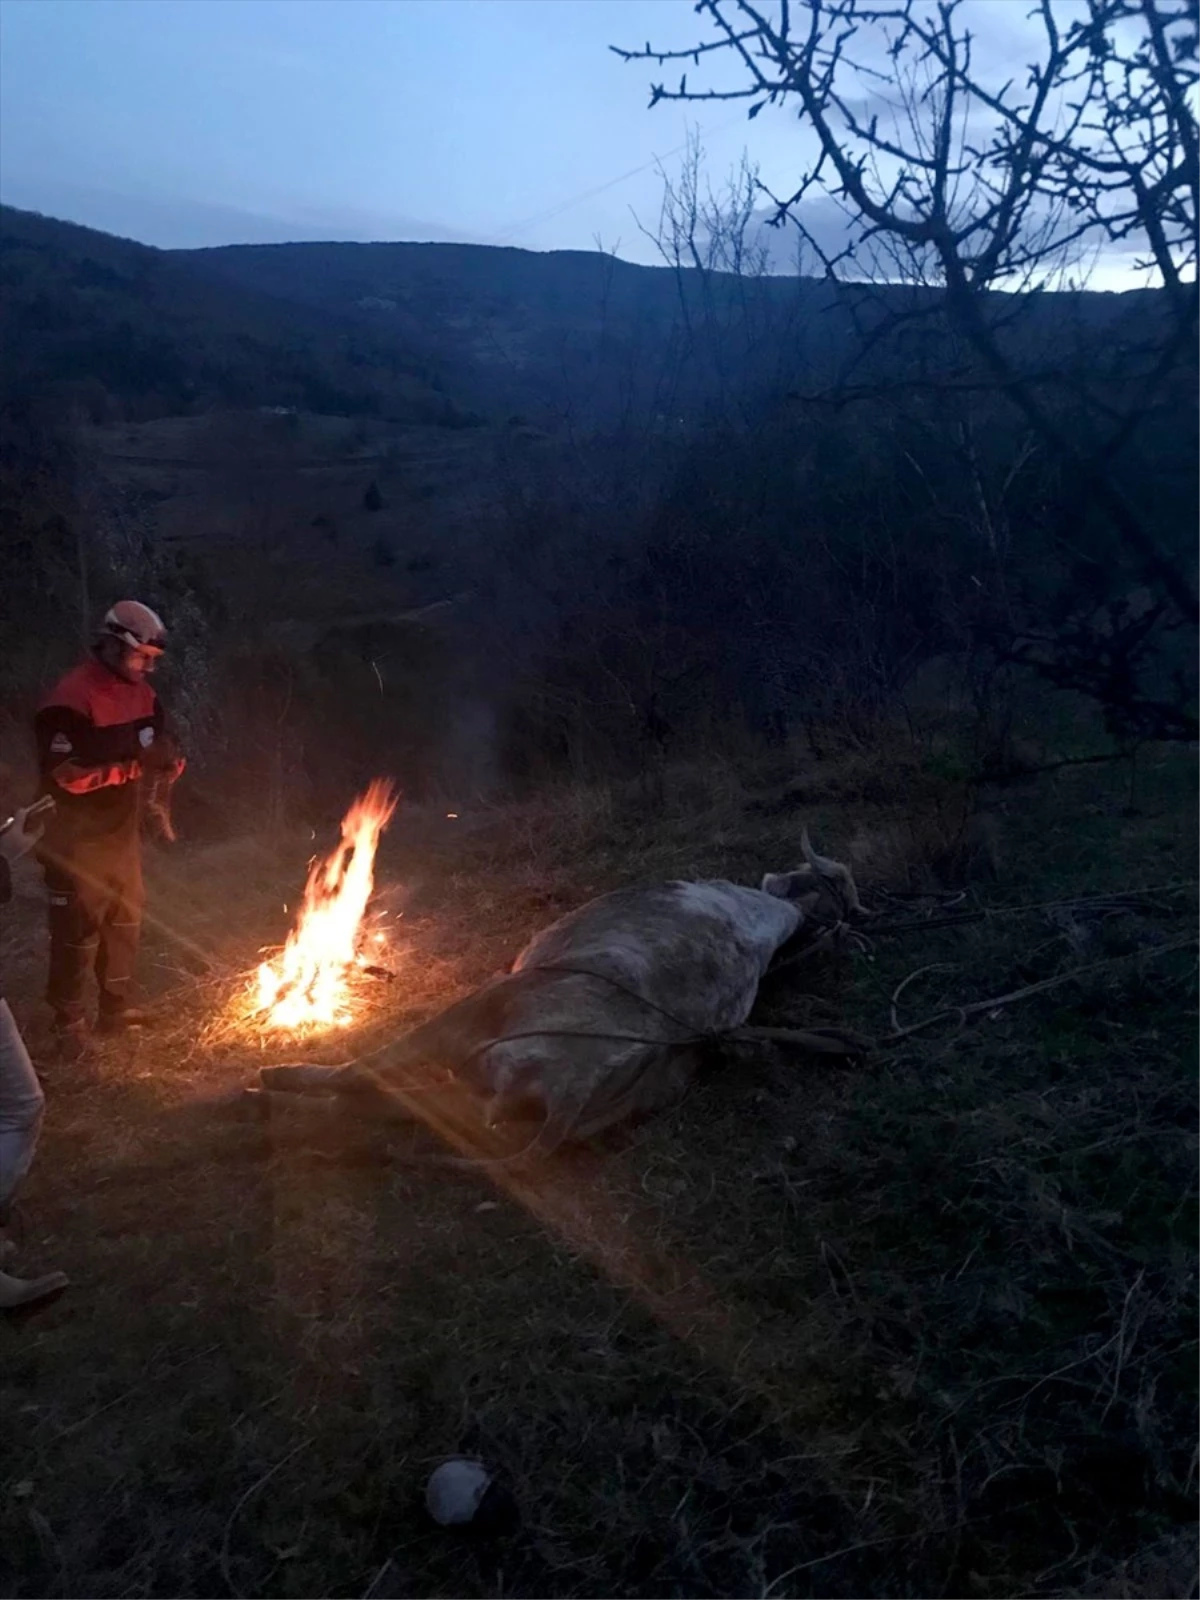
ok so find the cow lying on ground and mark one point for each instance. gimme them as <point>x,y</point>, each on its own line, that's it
<point>601,1015</point>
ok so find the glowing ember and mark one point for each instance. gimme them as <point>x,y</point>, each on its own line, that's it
<point>305,986</point>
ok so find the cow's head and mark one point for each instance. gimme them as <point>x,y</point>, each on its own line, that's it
<point>823,889</point>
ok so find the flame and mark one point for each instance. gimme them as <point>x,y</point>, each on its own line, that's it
<point>305,985</point>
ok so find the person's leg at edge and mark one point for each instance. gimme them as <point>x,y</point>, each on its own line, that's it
<point>22,1106</point>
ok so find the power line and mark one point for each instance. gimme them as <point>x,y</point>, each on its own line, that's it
<point>588,194</point>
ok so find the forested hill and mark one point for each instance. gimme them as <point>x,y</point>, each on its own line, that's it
<point>424,333</point>
<point>682,499</point>
<point>129,332</point>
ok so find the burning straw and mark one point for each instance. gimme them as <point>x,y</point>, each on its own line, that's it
<point>310,983</point>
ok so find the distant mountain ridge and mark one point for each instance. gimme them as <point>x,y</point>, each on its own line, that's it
<point>142,332</point>
<point>421,332</point>
<point>171,222</point>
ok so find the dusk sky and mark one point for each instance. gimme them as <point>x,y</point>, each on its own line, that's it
<point>185,122</point>
<point>195,122</point>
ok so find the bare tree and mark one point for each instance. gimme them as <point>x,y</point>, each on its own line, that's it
<point>985,191</point>
<point>704,229</point>
<point>741,325</point>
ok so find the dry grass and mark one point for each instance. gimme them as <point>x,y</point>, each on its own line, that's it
<point>921,1327</point>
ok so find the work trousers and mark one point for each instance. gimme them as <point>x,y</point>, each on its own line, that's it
<point>22,1105</point>
<point>96,899</point>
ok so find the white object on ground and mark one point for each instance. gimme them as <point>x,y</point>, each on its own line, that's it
<point>454,1491</point>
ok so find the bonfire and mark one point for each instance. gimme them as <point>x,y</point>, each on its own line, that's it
<point>309,984</point>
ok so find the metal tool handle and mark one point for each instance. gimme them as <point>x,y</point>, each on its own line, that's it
<point>46,803</point>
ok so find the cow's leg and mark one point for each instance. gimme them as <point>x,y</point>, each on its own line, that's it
<point>302,1078</point>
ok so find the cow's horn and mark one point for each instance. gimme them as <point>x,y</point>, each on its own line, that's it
<point>821,864</point>
<point>834,870</point>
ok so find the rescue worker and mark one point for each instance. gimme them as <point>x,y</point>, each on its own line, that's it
<point>102,741</point>
<point>22,1103</point>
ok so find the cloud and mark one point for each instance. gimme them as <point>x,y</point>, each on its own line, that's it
<point>1100,263</point>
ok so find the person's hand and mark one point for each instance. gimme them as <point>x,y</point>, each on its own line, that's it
<point>159,810</point>
<point>22,834</point>
<point>162,757</point>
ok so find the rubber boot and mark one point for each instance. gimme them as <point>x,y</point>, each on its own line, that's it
<point>123,1019</point>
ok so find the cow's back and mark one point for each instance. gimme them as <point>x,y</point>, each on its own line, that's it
<point>697,950</point>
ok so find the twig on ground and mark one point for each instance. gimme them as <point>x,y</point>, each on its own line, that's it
<point>933,966</point>
<point>388,1584</point>
<point>994,1004</point>
<point>1124,1344</point>
<point>846,1550</point>
<point>259,1483</point>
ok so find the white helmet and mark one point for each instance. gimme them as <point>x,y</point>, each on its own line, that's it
<point>137,626</point>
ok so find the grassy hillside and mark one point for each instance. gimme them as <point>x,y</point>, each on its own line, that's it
<point>335,513</point>
<point>922,1325</point>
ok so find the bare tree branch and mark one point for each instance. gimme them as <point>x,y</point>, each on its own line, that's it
<point>991,192</point>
